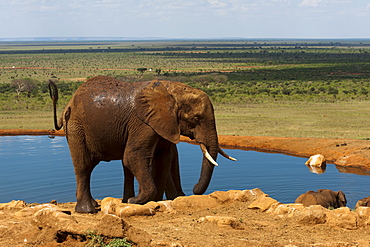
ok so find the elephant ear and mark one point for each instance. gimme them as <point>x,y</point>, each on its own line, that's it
<point>158,109</point>
<point>342,197</point>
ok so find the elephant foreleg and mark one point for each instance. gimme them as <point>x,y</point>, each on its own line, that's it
<point>128,185</point>
<point>173,187</point>
<point>161,168</point>
<point>139,162</point>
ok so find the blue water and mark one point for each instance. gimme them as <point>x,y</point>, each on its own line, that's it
<point>39,169</point>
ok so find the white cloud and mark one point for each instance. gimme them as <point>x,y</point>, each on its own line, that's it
<point>184,18</point>
<point>310,3</point>
<point>216,3</point>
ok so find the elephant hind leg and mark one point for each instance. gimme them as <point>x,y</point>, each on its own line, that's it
<point>83,167</point>
<point>85,201</point>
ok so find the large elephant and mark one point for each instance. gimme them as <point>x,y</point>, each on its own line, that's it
<point>108,119</point>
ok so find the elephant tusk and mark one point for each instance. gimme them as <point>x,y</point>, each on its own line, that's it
<point>222,152</point>
<point>207,155</point>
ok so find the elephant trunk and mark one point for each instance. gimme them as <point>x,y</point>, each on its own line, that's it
<point>211,145</point>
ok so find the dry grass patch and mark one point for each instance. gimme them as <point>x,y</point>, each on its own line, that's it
<point>296,119</point>
<point>26,120</point>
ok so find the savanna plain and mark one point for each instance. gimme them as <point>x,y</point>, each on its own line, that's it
<point>280,88</point>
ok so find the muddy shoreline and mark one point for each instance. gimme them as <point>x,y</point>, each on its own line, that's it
<point>349,153</point>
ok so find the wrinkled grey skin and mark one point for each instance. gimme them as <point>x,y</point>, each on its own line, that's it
<point>323,197</point>
<point>108,119</point>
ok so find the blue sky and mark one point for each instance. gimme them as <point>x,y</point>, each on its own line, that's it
<point>185,18</point>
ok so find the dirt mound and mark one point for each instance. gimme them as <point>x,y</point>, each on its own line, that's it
<point>232,218</point>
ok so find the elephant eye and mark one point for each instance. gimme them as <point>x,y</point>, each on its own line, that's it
<point>196,119</point>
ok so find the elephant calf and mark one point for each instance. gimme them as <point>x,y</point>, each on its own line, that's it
<point>323,197</point>
<point>363,202</point>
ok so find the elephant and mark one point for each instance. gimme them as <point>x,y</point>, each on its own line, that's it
<point>108,119</point>
<point>365,202</point>
<point>323,197</point>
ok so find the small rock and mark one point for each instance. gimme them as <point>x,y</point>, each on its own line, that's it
<point>221,196</point>
<point>284,209</point>
<point>29,211</point>
<point>316,160</point>
<point>15,204</point>
<point>312,215</point>
<point>53,202</point>
<point>161,206</point>
<point>109,204</point>
<point>164,243</point>
<point>237,195</point>
<point>262,203</point>
<point>221,221</point>
<point>194,202</point>
<point>363,211</point>
<point>111,226</point>
<point>133,210</point>
<point>343,217</point>
<point>364,214</point>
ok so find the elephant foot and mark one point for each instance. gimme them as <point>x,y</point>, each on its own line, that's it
<point>143,197</point>
<point>94,203</point>
<point>85,208</point>
<point>136,200</point>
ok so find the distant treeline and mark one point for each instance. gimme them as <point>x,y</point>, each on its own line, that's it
<point>235,87</point>
<point>188,47</point>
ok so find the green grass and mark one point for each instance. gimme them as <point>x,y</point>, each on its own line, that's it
<point>95,240</point>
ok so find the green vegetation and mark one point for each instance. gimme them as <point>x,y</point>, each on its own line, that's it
<point>293,88</point>
<point>95,240</point>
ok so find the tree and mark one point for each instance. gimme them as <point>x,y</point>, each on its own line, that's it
<point>23,85</point>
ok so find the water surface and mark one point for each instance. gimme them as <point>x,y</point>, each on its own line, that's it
<point>39,169</point>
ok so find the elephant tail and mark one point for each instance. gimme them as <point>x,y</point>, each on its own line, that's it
<point>53,90</point>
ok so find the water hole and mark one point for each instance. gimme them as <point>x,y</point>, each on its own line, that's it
<point>39,169</point>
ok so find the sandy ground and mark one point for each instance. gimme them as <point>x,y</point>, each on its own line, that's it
<point>184,227</point>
